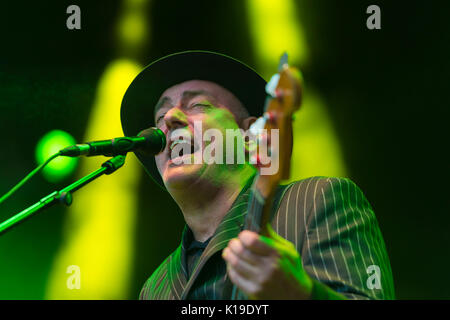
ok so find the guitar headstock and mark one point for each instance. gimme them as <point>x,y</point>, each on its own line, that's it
<point>285,86</point>
<point>274,154</point>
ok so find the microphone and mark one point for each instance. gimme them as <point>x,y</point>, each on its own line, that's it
<point>150,141</point>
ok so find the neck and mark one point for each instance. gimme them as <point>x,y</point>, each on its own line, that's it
<point>204,204</point>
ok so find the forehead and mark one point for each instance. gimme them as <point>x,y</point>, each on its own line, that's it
<point>177,91</point>
<point>192,88</point>
<point>184,91</point>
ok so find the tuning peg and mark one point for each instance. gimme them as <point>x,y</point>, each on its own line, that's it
<point>262,138</point>
<point>269,116</point>
<point>257,126</point>
<point>271,86</point>
<point>254,159</point>
<point>283,61</point>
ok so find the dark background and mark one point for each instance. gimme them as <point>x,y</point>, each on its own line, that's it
<point>386,91</point>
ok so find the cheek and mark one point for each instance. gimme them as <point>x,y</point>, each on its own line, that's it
<point>159,161</point>
<point>221,119</point>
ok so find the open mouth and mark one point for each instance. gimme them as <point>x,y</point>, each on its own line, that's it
<point>181,151</point>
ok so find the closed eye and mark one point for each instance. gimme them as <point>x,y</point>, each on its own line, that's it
<point>201,105</point>
<point>194,105</point>
<point>160,118</point>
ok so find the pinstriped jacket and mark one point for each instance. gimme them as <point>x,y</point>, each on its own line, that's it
<point>329,221</point>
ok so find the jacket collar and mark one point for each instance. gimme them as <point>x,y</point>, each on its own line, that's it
<point>229,228</point>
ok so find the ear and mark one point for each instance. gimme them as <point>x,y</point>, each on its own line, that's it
<point>245,125</point>
<point>247,122</point>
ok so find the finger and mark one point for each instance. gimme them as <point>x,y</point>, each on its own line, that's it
<point>247,286</point>
<point>252,241</point>
<point>240,265</point>
<point>238,249</point>
<point>279,240</point>
<point>283,247</point>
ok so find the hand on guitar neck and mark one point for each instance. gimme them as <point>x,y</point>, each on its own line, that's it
<point>263,264</point>
<point>267,268</point>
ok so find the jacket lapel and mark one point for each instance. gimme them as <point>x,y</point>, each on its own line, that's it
<point>229,228</point>
<point>177,274</point>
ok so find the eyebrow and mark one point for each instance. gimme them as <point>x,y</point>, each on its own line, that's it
<point>191,94</point>
<point>187,95</point>
<point>160,103</point>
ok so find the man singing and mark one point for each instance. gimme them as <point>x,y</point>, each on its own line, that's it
<point>324,240</point>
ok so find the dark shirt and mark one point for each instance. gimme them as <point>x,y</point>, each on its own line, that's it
<point>193,253</point>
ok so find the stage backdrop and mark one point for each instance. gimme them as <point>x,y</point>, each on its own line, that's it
<point>375,111</point>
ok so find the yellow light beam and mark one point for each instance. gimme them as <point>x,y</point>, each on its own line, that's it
<point>100,227</point>
<point>99,231</point>
<point>274,29</point>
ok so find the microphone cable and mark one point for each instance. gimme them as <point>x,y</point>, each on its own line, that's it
<point>28,177</point>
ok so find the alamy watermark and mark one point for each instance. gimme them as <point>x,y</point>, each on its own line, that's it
<point>74,280</point>
<point>374,280</point>
<point>374,20</point>
<point>74,20</point>
<point>236,146</point>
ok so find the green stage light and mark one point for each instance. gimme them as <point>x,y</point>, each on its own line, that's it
<point>49,144</point>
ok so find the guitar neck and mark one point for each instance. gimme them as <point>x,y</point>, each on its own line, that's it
<point>259,209</point>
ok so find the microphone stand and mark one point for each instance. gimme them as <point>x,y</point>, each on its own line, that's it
<point>63,196</point>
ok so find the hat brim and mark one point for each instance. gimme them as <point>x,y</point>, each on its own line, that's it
<point>137,110</point>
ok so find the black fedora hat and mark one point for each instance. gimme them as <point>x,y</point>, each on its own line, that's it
<point>137,110</point>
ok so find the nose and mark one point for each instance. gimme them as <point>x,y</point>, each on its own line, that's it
<point>175,118</point>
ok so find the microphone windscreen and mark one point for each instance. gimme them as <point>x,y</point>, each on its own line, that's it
<point>156,141</point>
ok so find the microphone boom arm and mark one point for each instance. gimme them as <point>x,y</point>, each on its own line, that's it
<point>63,196</point>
